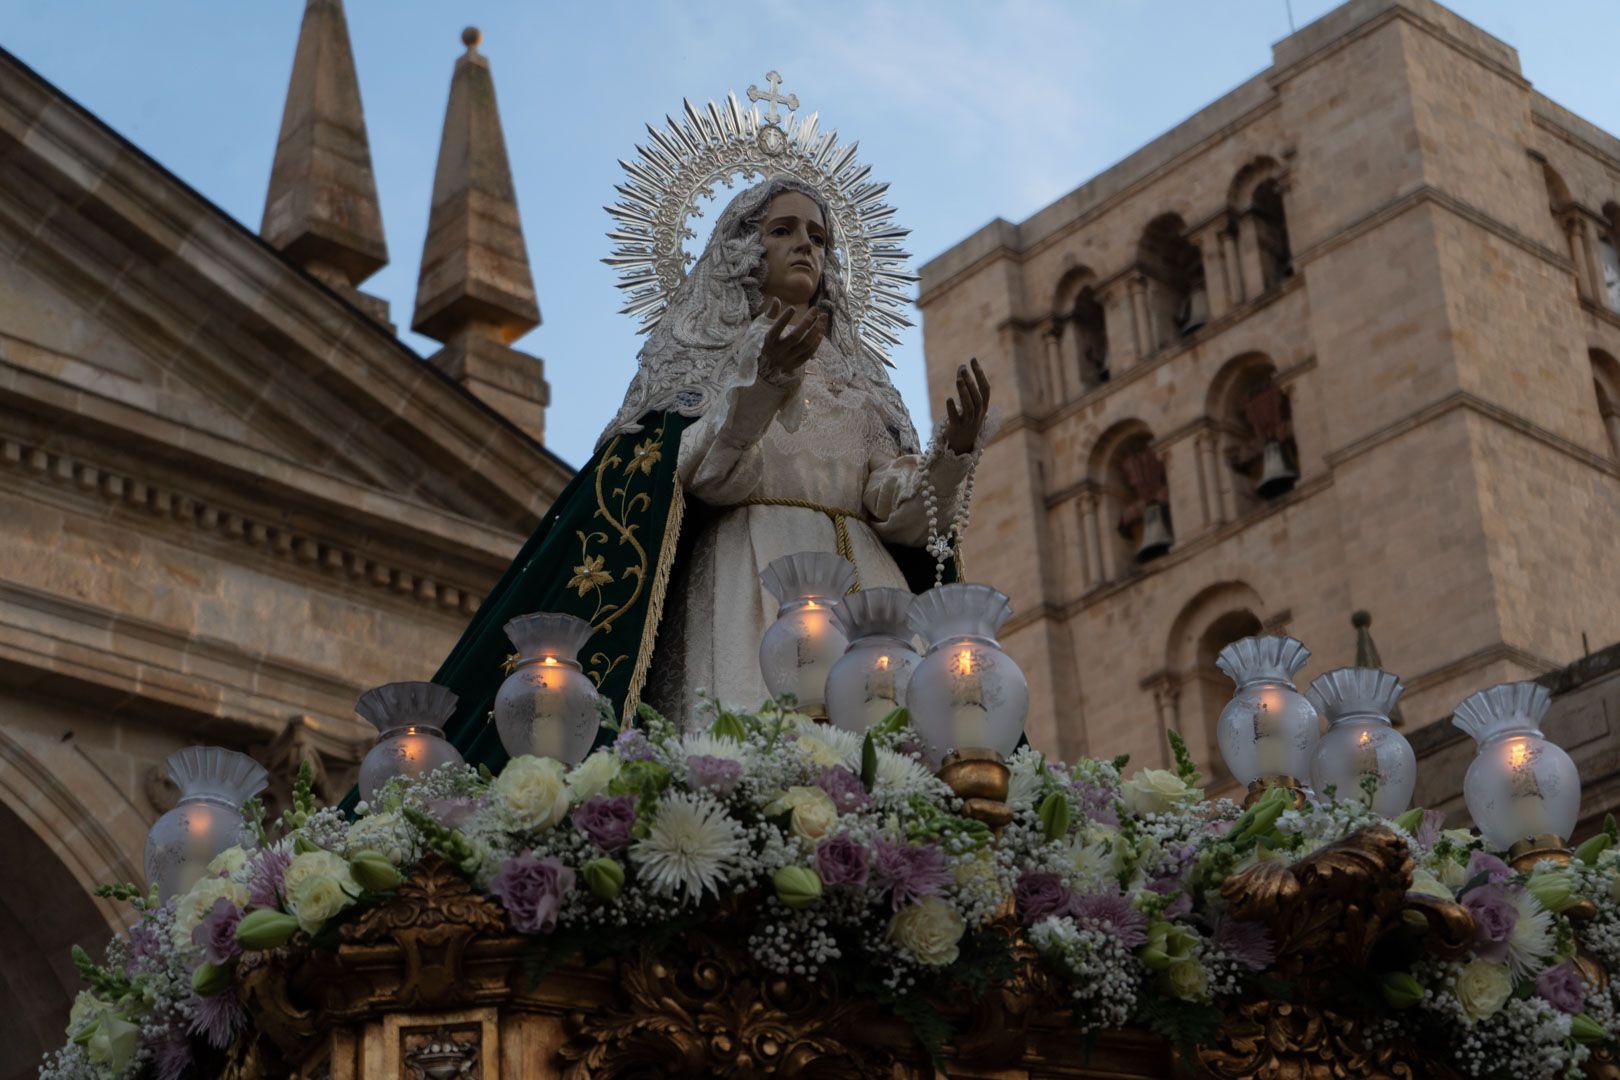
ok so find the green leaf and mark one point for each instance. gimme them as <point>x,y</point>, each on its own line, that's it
<point>893,724</point>
<point>869,761</point>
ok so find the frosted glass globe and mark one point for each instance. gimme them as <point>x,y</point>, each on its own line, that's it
<point>1519,784</point>
<point>1360,741</point>
<point>966,693</point>
<point>870,680</point>
<point>800,647</point>
<point>1268,728</point>
<point>548,706</point>
<point>410,718</point>
<point>214,783</point>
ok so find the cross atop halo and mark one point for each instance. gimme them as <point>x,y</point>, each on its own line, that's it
<point>755,94</point>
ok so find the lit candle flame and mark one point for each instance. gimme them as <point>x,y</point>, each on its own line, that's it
<point>550,661</point>
<point>964,662</point>
<point>883,663</point>
<point>1518,754</point>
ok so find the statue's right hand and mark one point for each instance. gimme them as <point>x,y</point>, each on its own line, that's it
<point>788,348</point>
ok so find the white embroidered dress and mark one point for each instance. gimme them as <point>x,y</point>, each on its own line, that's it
<point>828,441</point>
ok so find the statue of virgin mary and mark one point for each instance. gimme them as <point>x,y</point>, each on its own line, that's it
<point>758,424</point>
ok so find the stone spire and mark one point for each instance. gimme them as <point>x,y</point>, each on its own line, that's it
<point>1367,655</point>
<point>475,293</point>
<point>321,210</point>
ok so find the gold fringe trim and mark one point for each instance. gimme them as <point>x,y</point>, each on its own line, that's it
<point>655,601</point>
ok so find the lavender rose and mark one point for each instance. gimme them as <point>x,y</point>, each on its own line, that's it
<point>841,860</point>
<point>1495,870</point>
<point>216,934</point>
<point>1040,894</point>
<point>1563,987</point>
<point>845,788</point>
<point>532,891</point>
<point>1494,919</point>
<point>607,820</point>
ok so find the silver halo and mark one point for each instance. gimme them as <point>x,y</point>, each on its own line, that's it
<point>686,158</point>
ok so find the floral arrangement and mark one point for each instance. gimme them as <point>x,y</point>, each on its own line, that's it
<point>846,856</point>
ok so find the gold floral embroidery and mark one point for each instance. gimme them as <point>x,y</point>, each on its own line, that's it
<point>646,456</point>
<point>590,575</point>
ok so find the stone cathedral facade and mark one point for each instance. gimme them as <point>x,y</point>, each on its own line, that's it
<point>230,498</point>
<point>1345,340</point>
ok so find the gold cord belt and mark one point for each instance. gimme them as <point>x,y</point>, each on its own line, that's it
<point>839,522</point>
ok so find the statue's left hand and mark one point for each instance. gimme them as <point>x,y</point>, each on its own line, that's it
<point>963,423</point>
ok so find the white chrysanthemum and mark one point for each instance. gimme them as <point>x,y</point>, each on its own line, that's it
<point>1028,773</point>
<point>702,744</point>
<point>1530,946</point>
<point>899,775</point>
<point>828,745</point>
<point>691,846</point>
<point>1093,863</point>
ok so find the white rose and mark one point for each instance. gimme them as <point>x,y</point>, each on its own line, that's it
<point>592,776</point>
<point>317,864</point>
<point>533,791</point>
<point>929,930</point>
<point>821,751</point>
<point>1188,980</point>
<point>228,862</point>
<point>1483,988</point>
<point>114,1041</point>
<point>813,811</point>
<point>315,900</point>
<point>388,832</point>
<point>194,906</point>
<point>1156,791</point>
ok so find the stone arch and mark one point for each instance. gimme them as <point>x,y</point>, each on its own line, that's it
<point>1217,616</point>
<point>64,829</point>
<point>1125,497</point>
<point>1559,200</point>
<point>1177,298</point>
<point>1077,335</point>
<point>1250,410</point>
<point>1606,385</point>
<point>1255,199</point>
<point>1608,268</point>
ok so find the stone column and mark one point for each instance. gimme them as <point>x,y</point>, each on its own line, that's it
<point>1222,479</point>
<point>1588,261</point>
<point>1056,384</point>
<point>1611,421</point>
<point>1209,245</point>
<point>1205,457</point>
<point>1091,572</point>
<point>1166,711</point>
<point>1229,261</point>
<point>1248,251</point>
<point>1146,332</point>
<point>1107,514</point>
<point>1119,317</point>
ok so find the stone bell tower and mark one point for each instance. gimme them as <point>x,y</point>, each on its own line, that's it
<point>475,293</point>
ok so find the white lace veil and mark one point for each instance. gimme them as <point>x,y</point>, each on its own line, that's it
<point>688,359</point>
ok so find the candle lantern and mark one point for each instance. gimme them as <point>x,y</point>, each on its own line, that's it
<point>1268,730</point>
<point>869,681</point>
<point>214,783</point>
<point>547,706</point>
<point>966,694</point>
<point>1360,740</point>
<point>1520,788</point>
<point>800,647</point>
<point>409,717</point>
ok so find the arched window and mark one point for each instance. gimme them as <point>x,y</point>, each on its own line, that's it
<point>1216,617</point>
<point>1256,422</point>
<point>1606,382</point>
<point>1138,475</point>
<point>1609,257</point>
<point>1090,339</point>
<point>1255,198</point>
<point>1126,515</point>
<point>1271,233</point>
<point>1177,299</point>
<point>1078,337</point>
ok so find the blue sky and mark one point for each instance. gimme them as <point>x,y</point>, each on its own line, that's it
<point>971,110</point>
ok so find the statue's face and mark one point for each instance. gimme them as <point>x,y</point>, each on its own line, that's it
<point>795,238</point>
